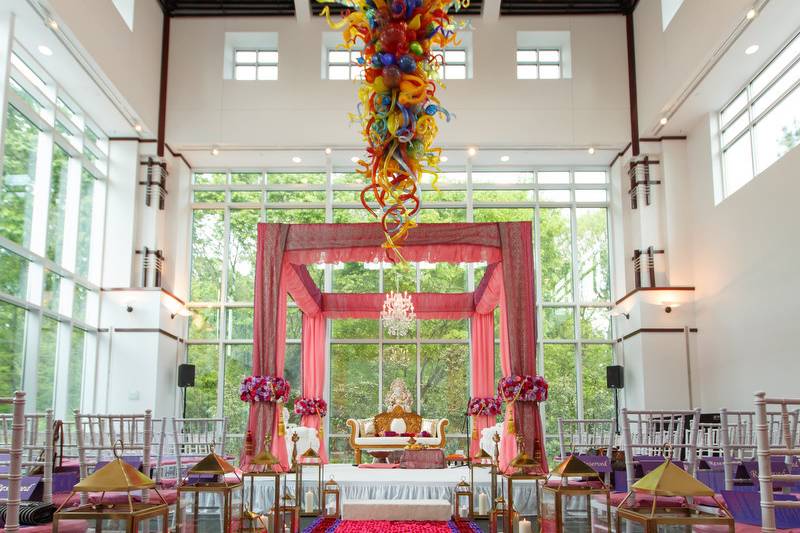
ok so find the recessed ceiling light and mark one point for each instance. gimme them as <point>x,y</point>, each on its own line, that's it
<point>443,159</point>
<point>328,151</point>
<point>504,158</point>
<point>751,14</point>
<point>354,159</point>
<point>752,49</point>
<point>663,121</point>
<point>137,127</point>
<point>591,150</point>
<point>45,50</point>
<point>471,151</point>
<point>52,23</point>
<point>296,159</point>
<point>214,150</point>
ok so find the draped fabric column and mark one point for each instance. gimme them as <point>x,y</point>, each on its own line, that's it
<point>269,332</point>
<point>518,307</point>
<point>313,369</point>
<point>482,370</point>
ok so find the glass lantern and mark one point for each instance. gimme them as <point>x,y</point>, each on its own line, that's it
<point>133,516</point>
<point>262,467</point>
<point>522,471</point>
<point>288,515</point>
<point>502,517</point>
<point>482,503</point>
<point>330,499</point>
<point>462,502</point>
<point>569,498</point>
<point>310,468</point>
<point>207,500</point>
<point>670,480</point>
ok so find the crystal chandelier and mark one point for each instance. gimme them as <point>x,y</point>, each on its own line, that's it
<point>398,313</point>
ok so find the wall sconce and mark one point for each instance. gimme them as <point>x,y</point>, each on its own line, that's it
<point>669,306</point>
<point>181,311</point>
<point>617,311</point>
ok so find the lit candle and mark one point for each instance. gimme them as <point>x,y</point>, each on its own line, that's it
<point>308,503</point>
<point>483,503</point>
<point>525,526</point>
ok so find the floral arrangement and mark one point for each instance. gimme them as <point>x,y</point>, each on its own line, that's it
<point>522,389</point>
<point>264,389</point>
<point>311,406</point>
<point>484,406</point>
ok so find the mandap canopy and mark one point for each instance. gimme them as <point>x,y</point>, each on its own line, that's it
<point>283,252</point>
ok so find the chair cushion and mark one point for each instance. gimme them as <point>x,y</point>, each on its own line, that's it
<point>431,425</point>
<point>398,425</point>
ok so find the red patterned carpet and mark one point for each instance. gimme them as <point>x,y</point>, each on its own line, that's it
<point>332,525</point>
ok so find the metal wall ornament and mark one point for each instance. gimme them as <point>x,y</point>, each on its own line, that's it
<point>523,469</point>
<point>207,498</point>
<point>262,467</point>
<point>331,505</point>
<point>462,502</point>
<point>669,480</point>
<point>131,516</point>
<point>572,493</point>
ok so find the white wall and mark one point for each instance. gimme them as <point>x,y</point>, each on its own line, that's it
<point>131,60</point>
<point>667,59</point>
<point>744,257</point>
<point>492,109</point>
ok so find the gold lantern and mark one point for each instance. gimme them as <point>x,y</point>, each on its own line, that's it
<point>262,466</point>
<point>481,502</point>
<point>330,499</point>
<point>288,514</point>
<point>501,517</point>
<point>522,470</point>
<point>570,498</point>
<point>665,481</point>
<point>462,501</point>
<point>131,516</point>
<point>309,466</point>
<point>207,499</point>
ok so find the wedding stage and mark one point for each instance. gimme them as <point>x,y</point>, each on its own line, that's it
<point>401,484</point>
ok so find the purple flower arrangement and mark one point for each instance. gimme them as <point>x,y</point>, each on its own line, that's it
<point>311,406</point>
<point>522,389</point>
<point>484,406</point>
<point>264,389</point>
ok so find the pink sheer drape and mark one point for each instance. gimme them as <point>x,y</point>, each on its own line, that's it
<point>313,370</point>
<point>482,370</point>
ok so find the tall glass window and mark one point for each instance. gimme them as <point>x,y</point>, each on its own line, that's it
<point>569,211</point>
<point>52,195</point>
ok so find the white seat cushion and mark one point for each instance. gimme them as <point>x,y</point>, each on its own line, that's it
<point>398,425</point>
<point>394,441</point>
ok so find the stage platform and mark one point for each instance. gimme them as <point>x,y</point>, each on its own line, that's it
<point>388,484</point>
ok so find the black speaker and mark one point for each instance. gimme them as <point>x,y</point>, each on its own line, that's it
<point>615,377</point>
<point>185,375</point>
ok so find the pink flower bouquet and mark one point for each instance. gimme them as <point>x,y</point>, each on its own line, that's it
<point>522,389</point>
<point>484,406</point>
<point>264,389</point>
<point>310,406</point>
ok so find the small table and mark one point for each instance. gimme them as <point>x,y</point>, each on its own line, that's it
<point>423,459</point>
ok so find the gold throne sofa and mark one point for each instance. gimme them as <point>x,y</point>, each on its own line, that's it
<point>365,433</point>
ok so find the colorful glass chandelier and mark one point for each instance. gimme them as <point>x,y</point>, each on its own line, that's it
<point>398,314</point>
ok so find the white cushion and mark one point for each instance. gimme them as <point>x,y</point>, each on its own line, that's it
<point>398,425</point>
<point>309,438</point>
<point>369,428</point>
<point>394,441</point>
<point>487,444</point>
<point>429,426</point>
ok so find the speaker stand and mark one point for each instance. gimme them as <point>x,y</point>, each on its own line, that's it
<point>184,402</point>
<point>616,408</point>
